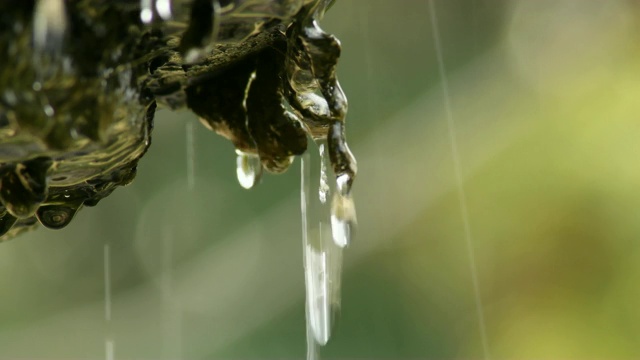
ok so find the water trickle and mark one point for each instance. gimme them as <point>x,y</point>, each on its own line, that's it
<point>327,228</point>
<point>108,341</point>
<point>49,25</point>
<point>146,11</point>
<point>109,349</point>
<point>190,154</point>
<point>322,254</point>
<point>249,169</point>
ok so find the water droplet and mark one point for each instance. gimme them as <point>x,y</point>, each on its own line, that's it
<point>146,11</point>
<point>249,169</point>
<point>49,25</point>
<point>193,55</point>
<point>56,216</point>
<point>109,346</point>
<point>164,9</point>
<point>343,219</point>
<point>48,110</point>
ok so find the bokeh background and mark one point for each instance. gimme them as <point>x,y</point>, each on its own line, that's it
<point>545,99</point>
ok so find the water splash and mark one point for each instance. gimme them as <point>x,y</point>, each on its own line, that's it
<point>146,11</point>
<point>248,170</point>
<point>343,218</point>
<point>49,25</point>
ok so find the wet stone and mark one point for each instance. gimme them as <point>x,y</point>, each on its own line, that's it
<point>23,187</point>
<point>81,81</point>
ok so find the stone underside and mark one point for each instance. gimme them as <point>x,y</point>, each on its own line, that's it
<point>80,82</point>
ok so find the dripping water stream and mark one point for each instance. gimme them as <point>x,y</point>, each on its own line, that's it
<point>325,233</point>
<point>321,257</point>
<point>171,305</point>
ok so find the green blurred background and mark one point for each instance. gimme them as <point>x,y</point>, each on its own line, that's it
<point>545,96</point>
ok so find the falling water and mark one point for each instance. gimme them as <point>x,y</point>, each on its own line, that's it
<point>108,341</point>
<point>171,308</point>
<point>462,198</point>
<point>190,154</point>
<point>327,226</point>
<point>343,214</point>
<point>325,231</point>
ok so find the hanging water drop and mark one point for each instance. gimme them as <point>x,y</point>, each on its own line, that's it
<point>343,219</point>
<point>146,11</point>
<point>249,169</point>
<point>56,216</point>
<point>49,25</point>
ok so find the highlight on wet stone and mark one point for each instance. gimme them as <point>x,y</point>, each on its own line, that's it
<point>249,169</point>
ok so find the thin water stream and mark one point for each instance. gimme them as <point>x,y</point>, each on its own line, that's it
<point>190,154</point>
<point>462,198</point>
<point>109,343</point>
